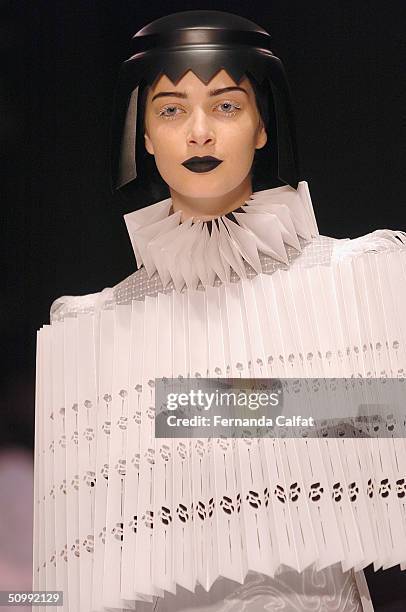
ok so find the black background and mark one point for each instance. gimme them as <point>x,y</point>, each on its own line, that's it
<point>62,232</point>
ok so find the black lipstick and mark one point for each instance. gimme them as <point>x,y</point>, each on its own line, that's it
<point>202,164</point>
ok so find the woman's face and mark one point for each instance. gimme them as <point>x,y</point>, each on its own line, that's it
<point>218,122</point>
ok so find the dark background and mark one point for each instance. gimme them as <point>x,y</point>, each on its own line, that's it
<point>62,231</point>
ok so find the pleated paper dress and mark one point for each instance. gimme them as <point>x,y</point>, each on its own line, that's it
<point>127,521</point>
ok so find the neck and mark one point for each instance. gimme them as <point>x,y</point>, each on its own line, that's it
<point>210,208</point>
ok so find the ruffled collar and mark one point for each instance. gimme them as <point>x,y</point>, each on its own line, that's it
<point>194,251</point>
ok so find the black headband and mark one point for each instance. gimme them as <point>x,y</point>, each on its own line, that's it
<point>201,36</point>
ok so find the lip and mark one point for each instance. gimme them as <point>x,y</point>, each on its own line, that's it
<point>202,164</point>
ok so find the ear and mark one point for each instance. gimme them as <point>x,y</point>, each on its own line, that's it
<point>262,137</point>
<point>148,144</point>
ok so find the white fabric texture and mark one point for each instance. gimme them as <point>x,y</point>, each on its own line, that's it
<point>189,252</point>
<point>329,590</point>
<point>126,521</point>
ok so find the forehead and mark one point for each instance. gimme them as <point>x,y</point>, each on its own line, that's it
<point>192,83</point>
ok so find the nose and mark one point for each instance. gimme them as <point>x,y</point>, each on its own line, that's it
<point>200,130</point>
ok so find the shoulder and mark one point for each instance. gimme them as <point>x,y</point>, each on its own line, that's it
<point>325,250</point>
<point>68,305</point>
<point>375,242</point>
<point>136,286</point>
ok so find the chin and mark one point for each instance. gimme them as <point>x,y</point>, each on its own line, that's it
<point>203,186</point>
<point>202,193</point>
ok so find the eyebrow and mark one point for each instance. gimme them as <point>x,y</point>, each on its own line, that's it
<point>217,92</point>
<point>183,94</point>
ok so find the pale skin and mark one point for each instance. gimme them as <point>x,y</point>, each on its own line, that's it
<point>192,119</point>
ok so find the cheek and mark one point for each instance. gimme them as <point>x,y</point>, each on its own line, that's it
<point>169,151</point>
<point>168,155</point>
<point>161,137</point>
<point>239,142</point>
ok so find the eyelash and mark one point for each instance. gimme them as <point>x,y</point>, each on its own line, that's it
<point>236,108</point>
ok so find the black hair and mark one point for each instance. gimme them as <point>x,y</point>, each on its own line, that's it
<point>265,165</point>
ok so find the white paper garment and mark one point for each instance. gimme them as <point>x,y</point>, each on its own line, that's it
<point>124,521</point>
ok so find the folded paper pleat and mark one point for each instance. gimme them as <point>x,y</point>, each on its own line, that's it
<point>271,218</point>
<point>121,516</point>
<point>134,515</point>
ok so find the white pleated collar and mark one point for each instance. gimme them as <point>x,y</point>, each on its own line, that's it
<point>194,251</point>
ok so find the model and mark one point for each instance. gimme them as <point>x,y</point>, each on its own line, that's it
<point>234,280</point>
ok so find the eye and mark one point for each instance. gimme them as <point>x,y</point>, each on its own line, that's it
<point>170,112</point>
<point>228,108</point>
